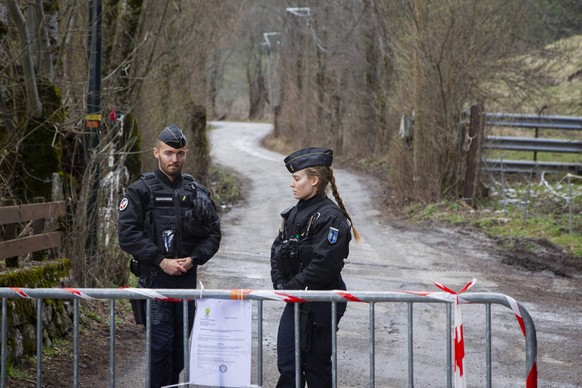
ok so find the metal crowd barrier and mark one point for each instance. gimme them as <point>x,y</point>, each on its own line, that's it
<point>372,298</point>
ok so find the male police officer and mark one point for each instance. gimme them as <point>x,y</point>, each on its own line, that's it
<point>169,225</point>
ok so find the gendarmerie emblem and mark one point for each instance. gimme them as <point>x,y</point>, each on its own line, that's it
<point>332,235</point>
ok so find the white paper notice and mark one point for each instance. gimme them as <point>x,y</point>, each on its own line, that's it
<point>220,352</point>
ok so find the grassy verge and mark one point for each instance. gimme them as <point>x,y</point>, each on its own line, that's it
<point>225,186</point>
<point>522,211</point>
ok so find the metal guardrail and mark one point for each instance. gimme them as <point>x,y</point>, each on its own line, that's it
<point>532,144</point>
<point>372,298</point>
<point>526,166</point>
<point>533,121</point>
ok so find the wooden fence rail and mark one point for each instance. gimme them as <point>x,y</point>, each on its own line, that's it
<point>40,218</point>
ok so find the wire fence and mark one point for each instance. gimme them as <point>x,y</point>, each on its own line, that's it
<point>529,195</point>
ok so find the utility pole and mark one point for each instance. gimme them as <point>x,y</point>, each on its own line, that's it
<point>419,137</point>
<point>267,44</point>
<point>93,118</point>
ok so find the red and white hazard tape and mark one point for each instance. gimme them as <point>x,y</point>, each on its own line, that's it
<point>78,293</point>
<point>285,297</point>
<point>20,292</point>
<point>448,295</point>
<point>532,376</point>
<point>81,295</point>
<point>459,339</point>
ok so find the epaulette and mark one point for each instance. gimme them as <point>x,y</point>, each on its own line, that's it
<point>152,182</point>
<point>285,213</point>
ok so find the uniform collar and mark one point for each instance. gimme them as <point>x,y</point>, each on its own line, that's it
<point>161,176</point>
<point>303,204</point>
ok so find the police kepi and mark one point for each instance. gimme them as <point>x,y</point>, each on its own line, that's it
<point>308,157</point>
<point>173,136</point>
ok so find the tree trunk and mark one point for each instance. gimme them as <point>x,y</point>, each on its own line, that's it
<point>34,106</point>
<point>257,87</point>
<point>46,57</point>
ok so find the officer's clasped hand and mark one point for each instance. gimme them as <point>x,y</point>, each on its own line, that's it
<point>176,267</point>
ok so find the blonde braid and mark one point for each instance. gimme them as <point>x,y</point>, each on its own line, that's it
<point>325,175</point>
<point>340,203</point>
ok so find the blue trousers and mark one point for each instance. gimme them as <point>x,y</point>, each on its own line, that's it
<point>316,361</point>
<point>167,341</point>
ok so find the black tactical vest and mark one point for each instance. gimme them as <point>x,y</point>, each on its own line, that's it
<point>166,211</point>
<point>295,232</point>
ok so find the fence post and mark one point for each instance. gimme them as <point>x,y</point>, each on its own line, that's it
<point>473,141</point>
<point>10,232</point>
<point>38,227</point>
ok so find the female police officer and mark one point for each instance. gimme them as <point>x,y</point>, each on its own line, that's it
<point>309,252</point>
<point>169,224</point>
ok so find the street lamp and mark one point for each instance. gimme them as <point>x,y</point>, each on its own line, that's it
<point>299,11</point>
<point>267,42</point>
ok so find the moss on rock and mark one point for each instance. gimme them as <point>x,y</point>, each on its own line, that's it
<point>22,313</point>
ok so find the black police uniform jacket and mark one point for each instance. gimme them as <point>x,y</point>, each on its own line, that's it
<point>144,212</point>
<point>311,246</point>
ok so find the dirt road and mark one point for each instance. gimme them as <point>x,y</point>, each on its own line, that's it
<point>392,256</point>
<point>395,257</point>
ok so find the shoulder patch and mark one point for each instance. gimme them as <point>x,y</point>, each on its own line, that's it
<point>332,235</point>
<point>285,213</point>
<point>123,204</point>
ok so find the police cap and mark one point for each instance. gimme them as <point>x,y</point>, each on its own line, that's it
<point>173,136</point>
<point>308,157</point>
